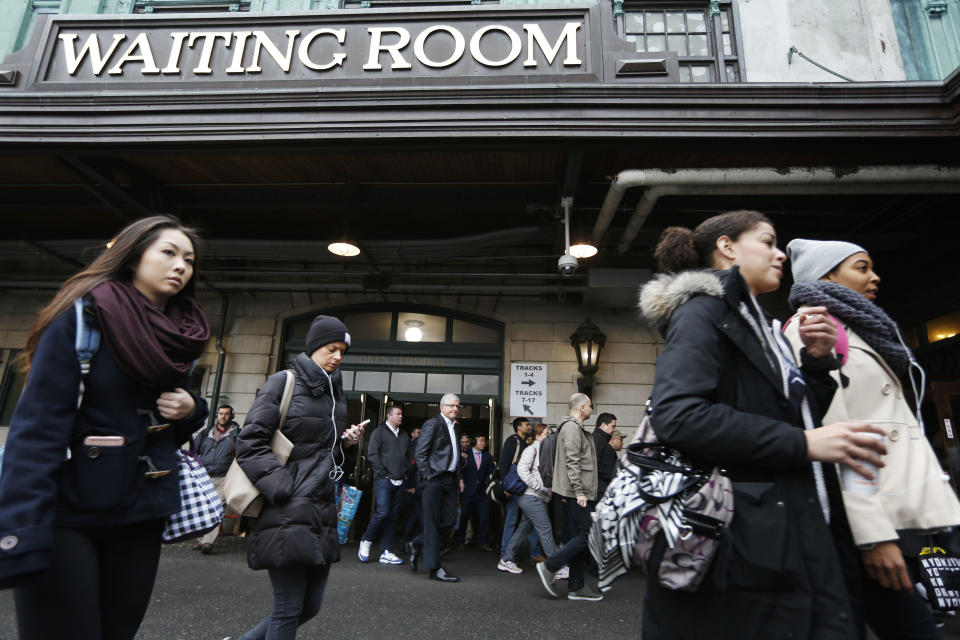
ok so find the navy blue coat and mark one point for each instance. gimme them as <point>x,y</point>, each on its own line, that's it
<point>96,487</point>
<point>475,480</point>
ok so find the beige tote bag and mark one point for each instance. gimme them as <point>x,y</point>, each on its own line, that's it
<point>242,496</point>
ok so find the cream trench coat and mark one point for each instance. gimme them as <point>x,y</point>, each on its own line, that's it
<point>912,492</point>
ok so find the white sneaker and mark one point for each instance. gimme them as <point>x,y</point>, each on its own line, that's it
<point>387,557</point>
<point>509,566</point>
<point>364,551</point>
<point>563,574</point>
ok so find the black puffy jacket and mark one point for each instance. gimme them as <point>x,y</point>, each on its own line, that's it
<point>298,523</point>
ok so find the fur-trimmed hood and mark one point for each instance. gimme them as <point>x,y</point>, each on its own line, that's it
<point>660,297</point>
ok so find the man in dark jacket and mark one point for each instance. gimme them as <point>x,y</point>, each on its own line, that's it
<point>438,464</point>
<point>476,470</point>
<point>389,455</point>
<point>606,455</point>
<point>217,448</point>
<point>509,455</point>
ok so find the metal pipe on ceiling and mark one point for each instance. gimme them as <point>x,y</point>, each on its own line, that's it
<point>763,180</point>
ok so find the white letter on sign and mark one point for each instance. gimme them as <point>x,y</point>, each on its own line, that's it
<point>145,56</point>
<point>376,33</point>
<point>459,44</point>
<point>93,46</point>
<point>304,51</point>
<point>263,41</point>
<point>173,63</point>
<point>535,34</point>
<point>515,46</point>
<point>206,53</point>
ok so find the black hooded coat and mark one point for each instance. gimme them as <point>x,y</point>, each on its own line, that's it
<point>298,523</point>
<point>717,397</point>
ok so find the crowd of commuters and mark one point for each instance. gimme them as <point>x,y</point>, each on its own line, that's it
<point>800,417</point>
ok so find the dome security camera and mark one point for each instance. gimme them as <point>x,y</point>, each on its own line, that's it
<point>567,265</point>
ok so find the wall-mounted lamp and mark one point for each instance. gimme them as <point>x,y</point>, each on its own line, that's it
<point>587,341</point>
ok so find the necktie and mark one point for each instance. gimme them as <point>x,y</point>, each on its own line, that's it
<point>477,456</point>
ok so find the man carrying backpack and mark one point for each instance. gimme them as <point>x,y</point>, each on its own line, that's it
<point>216,449</point>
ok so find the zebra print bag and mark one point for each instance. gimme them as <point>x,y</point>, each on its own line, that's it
<point>660,511</point>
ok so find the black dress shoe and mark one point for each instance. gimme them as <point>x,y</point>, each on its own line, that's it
<point>413,553</point>
<point>442,575</point>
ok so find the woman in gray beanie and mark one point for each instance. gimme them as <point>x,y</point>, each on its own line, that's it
<point>910,493</point>
<point>295,537</point>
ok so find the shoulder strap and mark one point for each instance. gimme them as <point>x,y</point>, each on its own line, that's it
<point>287,395</point>
<point>516,451</point>
<point>86,343</point>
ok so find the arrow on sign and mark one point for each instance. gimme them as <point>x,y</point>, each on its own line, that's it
<point>529,383</point>
<point>527,408</point>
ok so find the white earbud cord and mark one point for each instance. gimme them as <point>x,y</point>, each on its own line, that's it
<point>337,472</point>
<point>917,394</point>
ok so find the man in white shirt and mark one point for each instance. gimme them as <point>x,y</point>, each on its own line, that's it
<point>438,464</point>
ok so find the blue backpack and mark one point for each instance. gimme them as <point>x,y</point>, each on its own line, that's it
<point>86,342</point>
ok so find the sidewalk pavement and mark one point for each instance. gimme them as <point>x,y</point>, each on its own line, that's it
<point>207,597</point>
<point>201,597</point>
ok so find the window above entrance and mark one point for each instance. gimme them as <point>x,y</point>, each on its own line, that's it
<point>706,44</point>
<point>398,326</point>
<point>412,350</point>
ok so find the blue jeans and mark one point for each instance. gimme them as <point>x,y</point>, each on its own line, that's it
<point>510,523</point>
<point>297,596</point>
<point>384,520</point>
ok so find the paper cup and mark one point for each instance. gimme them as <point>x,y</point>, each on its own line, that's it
<point>853,481</point>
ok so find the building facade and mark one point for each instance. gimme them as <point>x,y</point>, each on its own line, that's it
<point>443,139</point>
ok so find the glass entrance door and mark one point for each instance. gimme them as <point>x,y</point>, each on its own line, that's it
<point>359,408</point>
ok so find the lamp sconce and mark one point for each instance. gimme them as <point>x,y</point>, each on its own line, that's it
<point>587,341</point>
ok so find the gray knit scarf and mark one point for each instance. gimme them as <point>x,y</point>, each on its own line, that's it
<point>869,321</point>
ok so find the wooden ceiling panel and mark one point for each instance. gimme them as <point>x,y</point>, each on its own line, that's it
<point>30,170</point>
<point>358,167</point>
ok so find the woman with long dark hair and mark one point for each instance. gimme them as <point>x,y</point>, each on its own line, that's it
<point>910,495</point>
<point>90,469</point>
<point>728,392</point>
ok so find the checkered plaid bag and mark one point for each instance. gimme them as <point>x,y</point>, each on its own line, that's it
<point>200,508</point>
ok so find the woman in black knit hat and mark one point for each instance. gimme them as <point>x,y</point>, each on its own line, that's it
<point>295,537</point>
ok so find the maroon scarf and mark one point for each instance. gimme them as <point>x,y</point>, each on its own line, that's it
<point>156,347</point>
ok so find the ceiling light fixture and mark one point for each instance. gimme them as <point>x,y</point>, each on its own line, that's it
<point>583,250</point>
<point>345,249</point>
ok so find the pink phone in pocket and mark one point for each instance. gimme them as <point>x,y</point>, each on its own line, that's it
<point>104,441</point>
